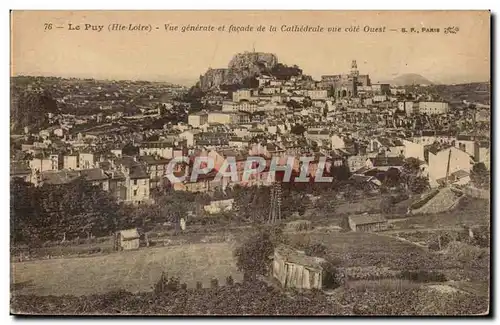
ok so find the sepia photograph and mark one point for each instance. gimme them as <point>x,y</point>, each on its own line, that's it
<point>250,163</point>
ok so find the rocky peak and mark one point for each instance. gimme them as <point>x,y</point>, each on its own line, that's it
<point>241,66</point>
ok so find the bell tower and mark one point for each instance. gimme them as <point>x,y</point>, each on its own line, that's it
<point>354,69</point>
<point>354,77</point>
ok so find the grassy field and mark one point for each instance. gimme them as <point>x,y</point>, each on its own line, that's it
<point>366,249</point>
<point>469,212</point>
<point>133,270</point>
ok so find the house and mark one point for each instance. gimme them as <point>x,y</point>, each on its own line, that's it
<point>407,107</point>
<point>241,94</point>
<point>86,160</point>
<point>157,169</point>
<point>390,147</point>
<point>368,223</point>
<point>117,152</point>
<point>413,150</point>
<point>137,179</point>
<point>433,108</point>
<point>42,164</point>
<point>385,163</point>
<point>466,143</point>
<point>369,183</point>
<point>294,269</point>
<point>317,135</point>
<point>337,142</point>
<point>57,177</point>
<point>439,166</point>
<point>356,162</point>
<point>117,188</point>
<point>166,148</point>
<point>127,239</point>
<point>219,206</point>
<point>198,119</point>
<point>204,183</point>
<point>96,177</point>
<point>238,142</point>
<point>70,162</point>
<point>219,117</point>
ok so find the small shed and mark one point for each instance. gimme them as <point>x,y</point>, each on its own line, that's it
<point>368,223</point>
<point>294,269</point>
<point>127,239</point>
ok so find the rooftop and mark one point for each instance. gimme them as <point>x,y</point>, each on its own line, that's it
<point>297,257</point>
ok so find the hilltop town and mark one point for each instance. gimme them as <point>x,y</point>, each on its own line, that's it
<point>408,197</point>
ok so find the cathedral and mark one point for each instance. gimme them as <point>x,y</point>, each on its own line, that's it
<point>345,85</point>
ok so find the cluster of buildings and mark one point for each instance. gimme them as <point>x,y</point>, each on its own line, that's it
<point>363,127</point>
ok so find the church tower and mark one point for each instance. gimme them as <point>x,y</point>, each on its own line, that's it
<point>354,69</point>
<point>354,77</point>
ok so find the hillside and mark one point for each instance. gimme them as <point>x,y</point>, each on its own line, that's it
<point>410,79</point>
<point>30,108</point>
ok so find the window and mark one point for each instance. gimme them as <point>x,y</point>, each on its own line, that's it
<point>135,192</point>
<point>135,182</point>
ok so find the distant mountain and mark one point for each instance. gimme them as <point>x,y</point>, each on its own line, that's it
<point>410,79</point>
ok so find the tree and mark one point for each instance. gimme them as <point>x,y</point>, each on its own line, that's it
<point>57,212</point>
<point>386,204</point>
<point>130,150</point>
<point>293,104</point>
<point>317,249</point>
<point>391,177</point>
<point>331,273</point>
<point>283,72</point>
<point>298,129</point>
<point>23,209</point>
<point>480,176</point>
<point>418,184</point>
<point>254,256</point>
<point>307,102</point>
<point>412,177</point>
<point>340,173</point>
<point>30,109</point>
<point>251,204</point>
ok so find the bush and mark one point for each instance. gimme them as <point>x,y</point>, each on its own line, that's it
<point>423,276</point>
<point>229,281</point>
<point>316,250</point>
<point>331,279</point>
<point>386,204</point>
<point>254,256</point>
<point>440,242</point>
<point>165,284</point>
<point>466,253</point>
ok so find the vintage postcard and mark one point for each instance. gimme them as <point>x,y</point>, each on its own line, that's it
<point>250,163</point>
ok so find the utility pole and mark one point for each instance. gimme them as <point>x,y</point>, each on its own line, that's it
<point>275,210</point>
<point>448,168</point>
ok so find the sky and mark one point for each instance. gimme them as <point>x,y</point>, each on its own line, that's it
<point>181,57</point>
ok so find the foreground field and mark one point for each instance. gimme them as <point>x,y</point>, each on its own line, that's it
<point>256,298</point>
<point>377,250</point>
<point>133,271</point>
